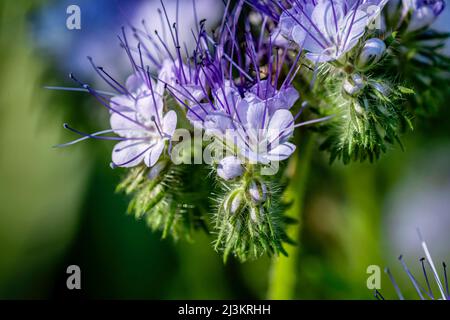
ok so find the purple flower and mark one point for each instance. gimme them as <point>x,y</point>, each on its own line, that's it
<point>423,12</point>
<point>143,129</point>
<point>256,124</point>
<point>140,121</point>
<point>248,115</point>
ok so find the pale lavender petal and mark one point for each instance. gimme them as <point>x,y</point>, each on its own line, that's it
<point>134,83</point>
<point>281,152</point>
<point>218,123</point>
<point>169,123</point>
<point>353,29</point>
<point>146,107</point>
<point>122,103</point>
<point>257,116</point>
<point>281,125</point>
<point>198,112</point>
<point>124,120</point>
<point>153,155</point>
<point>129,153</point>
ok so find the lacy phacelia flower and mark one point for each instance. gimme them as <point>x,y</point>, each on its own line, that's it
<point>138,118</point>
<point>256,127</point>
<point>423,12</point>
<point>327,29</point>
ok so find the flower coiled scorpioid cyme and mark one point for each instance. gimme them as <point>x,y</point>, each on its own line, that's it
<point>245,87</point>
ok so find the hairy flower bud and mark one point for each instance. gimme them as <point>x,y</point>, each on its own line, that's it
<point>156,170</point>
<point>423,12</point>
<point>354,85</point>
<point>254,214</point>
<point>257,191</point>
<point>234,202</point>
<point>372,52</point>
<point>381,88</point>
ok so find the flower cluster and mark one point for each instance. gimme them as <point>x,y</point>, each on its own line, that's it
<point>245,86</point>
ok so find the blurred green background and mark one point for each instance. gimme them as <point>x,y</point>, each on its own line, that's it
<point>58,206</point>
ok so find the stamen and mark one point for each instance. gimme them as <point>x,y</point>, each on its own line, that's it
<point>378,295</point>
<point>445,278</point>
<point>426,277</point>
<point>104,103</point>
<point>153,119</point>
<point>411,277</point>
<point>87,136</point>
<point>313,121</point>
<point>430,261</point>
<point>105,93</point>
<point>118,87</point>
<point>394,283</point>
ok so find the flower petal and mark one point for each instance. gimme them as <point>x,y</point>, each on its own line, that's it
<point>153,155</point>
<point>169,123</point>
<point>281,152</point>
<point>129,153</point>
<point>146,107</point>
<point>123,125</point>
<point>281,125</point>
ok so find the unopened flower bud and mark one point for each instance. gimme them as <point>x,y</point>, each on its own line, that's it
<point>371,53</point>
<point>156,170</point>
<point>381,88</point>
<point>230,168</point>
<point>423,13</point>
<point>254,214</point>
<point>234,202</point>
<point>354,85</point>
<point>358,108</point>
<point>257,191</point>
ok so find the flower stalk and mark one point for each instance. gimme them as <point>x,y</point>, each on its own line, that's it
<point>283,274</point>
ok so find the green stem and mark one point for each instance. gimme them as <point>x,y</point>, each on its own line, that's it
<point>283,274</point>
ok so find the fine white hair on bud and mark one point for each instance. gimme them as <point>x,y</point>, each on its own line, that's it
<point>381,88</point>
<point>157,169</point>
<point>371,53</point>
<point>233,203</point>
<point>257,191</point>
<point>353,85</point>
